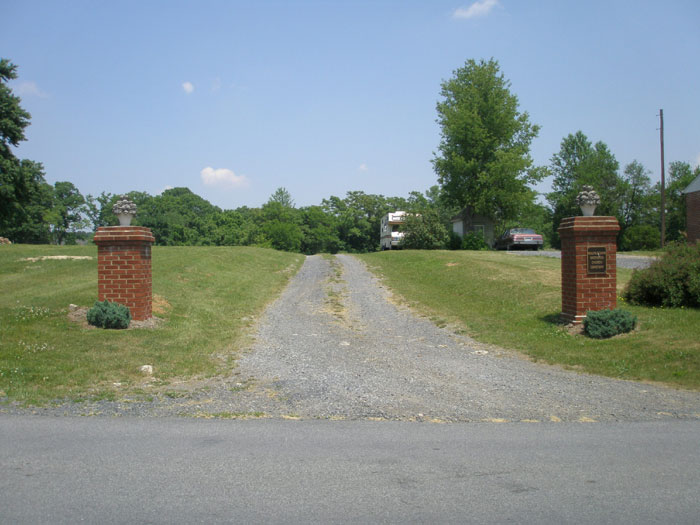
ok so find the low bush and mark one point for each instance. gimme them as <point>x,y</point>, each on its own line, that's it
<point>455,241</point>
<point>607,323</point>
<point>109,315</point>
<point>640,237</point>
<point>673,280</point>
<point>424,231</point>
<point>474,241</point>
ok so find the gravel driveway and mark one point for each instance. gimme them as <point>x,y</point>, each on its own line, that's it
<point>334,346</point>
<point>376,360</point>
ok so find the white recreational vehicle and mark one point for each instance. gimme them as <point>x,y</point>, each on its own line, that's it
<point>390,236</point>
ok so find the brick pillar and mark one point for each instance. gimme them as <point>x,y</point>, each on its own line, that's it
<point>124,268</point>
<point>692,210</point>
<point>588,266</point>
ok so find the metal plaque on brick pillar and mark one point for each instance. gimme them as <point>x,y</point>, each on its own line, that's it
<point>596,260</point>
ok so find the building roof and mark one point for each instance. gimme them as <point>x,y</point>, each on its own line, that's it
<point>397,216</point>
<point>693,186</point>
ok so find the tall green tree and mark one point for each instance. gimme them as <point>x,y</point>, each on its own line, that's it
<point>320,232</point>
<point>578,163</point>
<point>282,222</point>
<point>99,210</point>
<point>177,217</point>
<point>283,197</point>
<point>25,199</point>
<point>66,214</point>
<point>483,159</point>
<point>24,194</point>
<point>13,118</point>
<point>637,205</point>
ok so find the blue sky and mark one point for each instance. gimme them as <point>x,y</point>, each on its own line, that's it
<point>234,99</point>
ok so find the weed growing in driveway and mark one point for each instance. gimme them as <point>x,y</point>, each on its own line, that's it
<point>334,290</point>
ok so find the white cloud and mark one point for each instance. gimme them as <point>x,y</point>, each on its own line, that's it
<point>477,9</point>
<point>216,84</point>
<point>188,87</point>
<point>30,89</point>
<point>363,167</point>
<point>168,187</point>
<point>224,178</point>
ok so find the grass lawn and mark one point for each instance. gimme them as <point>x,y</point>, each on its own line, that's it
<point>514,302</point>
<point>207,296</point>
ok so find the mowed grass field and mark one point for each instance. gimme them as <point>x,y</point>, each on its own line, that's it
<point>514,302</point>
<point>207,297</point>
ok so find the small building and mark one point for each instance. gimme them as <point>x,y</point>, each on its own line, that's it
<point>390,236</point>
<point>467,221</point>
<point>692,210</point>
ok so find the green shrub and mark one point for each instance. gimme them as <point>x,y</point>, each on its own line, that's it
<point>607,323</point>
<point>640,237</point>
<point>109,315</point>
<point>424,231</point>
<point>455,241</point>
<point>285,236</point>
<point>474,241</point>
<point>673,280</point>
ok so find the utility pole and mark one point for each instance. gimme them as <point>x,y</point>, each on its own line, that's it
<point>663,182</point>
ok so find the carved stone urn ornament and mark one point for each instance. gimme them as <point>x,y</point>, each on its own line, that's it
<point>125,210</point>
<point>588,199</point>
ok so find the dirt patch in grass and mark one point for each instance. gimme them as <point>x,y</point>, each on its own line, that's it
<point>160,305</point>
<point>57,258</point>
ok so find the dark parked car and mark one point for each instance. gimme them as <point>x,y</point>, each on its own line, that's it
<point>519,239</point>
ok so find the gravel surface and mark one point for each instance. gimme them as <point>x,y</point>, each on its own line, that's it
<point>335,346</point>
<point>633,262</point>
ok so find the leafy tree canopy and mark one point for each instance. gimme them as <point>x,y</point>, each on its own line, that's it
<point>66,214</point>
<point>483,159</point>
<point>637,205</point>
<point>283,197</point>
<point>177,217</point>
<point>25,196</point>
<point>13,119</point>
<point>579,163</point>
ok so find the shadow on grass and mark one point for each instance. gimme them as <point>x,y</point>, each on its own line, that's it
<point>554,318</point>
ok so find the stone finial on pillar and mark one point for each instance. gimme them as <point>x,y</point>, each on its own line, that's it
<point>588,266</point>
<point>125,209</point>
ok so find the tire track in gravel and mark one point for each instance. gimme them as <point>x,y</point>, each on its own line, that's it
<point>371,359</point>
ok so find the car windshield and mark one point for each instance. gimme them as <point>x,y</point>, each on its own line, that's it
<point>522,230</point>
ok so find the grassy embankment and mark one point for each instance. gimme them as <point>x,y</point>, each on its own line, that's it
<point>514,302</point>
<point>208,298</point>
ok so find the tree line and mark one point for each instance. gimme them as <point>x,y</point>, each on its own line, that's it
<point>483,165</point>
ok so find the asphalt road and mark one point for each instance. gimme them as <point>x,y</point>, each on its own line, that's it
<point>161,470</point>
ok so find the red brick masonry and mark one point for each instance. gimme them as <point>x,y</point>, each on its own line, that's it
<point>124,268</point>
<point>581,290</point>
<point>692,206</point>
